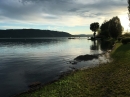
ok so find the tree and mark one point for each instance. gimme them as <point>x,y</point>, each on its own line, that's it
<point>105,29</point>
<point>115,27</point>
<point>94,27</point>
<point>129,8</point>
<point>111,28</point>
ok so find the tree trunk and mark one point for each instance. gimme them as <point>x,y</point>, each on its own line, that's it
<point>94,35</point>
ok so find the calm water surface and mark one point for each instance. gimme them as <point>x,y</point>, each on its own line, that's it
<point>22,63</point>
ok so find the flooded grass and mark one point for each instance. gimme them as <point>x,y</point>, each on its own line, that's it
<point>106,80</point>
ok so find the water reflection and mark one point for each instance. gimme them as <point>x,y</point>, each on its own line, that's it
<point>95,45</point>
<point>106,45</point>
<point>29,41</point>
<point>25,62</point>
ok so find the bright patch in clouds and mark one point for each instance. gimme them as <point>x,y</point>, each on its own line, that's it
<point>73,16</point>
<point>125,22</point>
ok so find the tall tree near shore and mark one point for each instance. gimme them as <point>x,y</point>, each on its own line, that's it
<point>115,27</point>
<point>105,29</point>
<point>94,27</point>
<point>111,28</point>
<point>129,8</point>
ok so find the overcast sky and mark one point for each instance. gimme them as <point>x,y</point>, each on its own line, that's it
<point>73,16</point>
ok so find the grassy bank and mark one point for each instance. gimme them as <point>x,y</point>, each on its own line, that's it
<point>107,80</point>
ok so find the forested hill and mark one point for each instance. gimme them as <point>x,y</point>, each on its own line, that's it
<point>29,33</point>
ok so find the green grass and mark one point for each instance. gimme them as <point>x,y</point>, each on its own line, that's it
<point>106,80</point>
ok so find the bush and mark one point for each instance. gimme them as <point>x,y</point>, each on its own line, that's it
<point>120,38</point>
<point>126,35</point>
<point>125,40</point>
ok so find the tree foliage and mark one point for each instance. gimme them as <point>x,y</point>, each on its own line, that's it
<point>112,28</point>
<point>94,27</point>
<point>129,8</point>
<point>105,29</point>
<point>115,27</point>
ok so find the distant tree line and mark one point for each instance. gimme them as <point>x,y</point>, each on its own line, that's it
<point>111,28</point>
<point>27,33</point>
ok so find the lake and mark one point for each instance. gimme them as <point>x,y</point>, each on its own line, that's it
<point>24,62</point>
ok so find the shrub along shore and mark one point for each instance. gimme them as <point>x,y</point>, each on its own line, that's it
<point>106,80</point>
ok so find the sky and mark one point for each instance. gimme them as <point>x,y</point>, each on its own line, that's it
<point>72,16</point>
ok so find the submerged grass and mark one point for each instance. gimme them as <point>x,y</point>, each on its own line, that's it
<point>106,80</point>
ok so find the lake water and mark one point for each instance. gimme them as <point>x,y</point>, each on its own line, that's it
<point>22,63</point>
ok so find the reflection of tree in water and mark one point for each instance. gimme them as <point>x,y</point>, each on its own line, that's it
<point>106,45</point>
<point>95,45</point>
<point>101,45</point>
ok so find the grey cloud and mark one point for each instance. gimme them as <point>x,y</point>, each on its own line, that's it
<point>26,9</point>
<point>57,7</point>
<point>103,8</point>
<point>50,17</point>
<point>16,11</point>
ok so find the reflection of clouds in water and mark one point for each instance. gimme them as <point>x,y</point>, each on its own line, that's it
<point>23,63</point>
